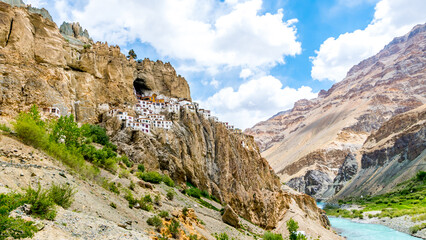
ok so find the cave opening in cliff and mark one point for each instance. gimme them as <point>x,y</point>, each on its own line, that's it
<point>140,87</point>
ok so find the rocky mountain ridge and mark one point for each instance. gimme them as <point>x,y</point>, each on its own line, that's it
<point>319,134</point>
<point>39,66</point>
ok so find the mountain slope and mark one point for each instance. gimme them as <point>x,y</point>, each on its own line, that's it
<point>393,154</point>
<point>319,134</point>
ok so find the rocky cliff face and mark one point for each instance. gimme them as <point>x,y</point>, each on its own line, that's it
<point>394,153</point>
<point>340,119</point>
<point>39,66</point>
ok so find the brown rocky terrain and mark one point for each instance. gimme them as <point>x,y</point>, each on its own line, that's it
<point>393,154</point>
<point>321,133</point>
<point>39,64</point>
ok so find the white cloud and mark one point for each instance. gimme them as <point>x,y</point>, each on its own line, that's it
<point>392,18</point>
<point>211,33</point>
<point>254,101</point>
<point>215,83</point>
<point>245,73</point>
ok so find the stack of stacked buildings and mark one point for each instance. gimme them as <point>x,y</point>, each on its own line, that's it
<point>150,112</point>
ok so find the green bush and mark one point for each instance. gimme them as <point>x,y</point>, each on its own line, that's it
<point>5,128</point>
<point>170,194</point>
<point>185,211</point>
<point>33,131</point>
<point>292,227</point>
<point>147,198</point>
<point>141,168</point>
<point>174,227</point>
<point>421,176</point>
<point>155,221</point>
<point>66,129</point>
<point>113,205</point>
<point>272,236</point>
<point>193,192</point>
<point>16,228</point>
<point>163,214</point>
<point>62,195</point>
<point>157,200</point>
<point>145,206</point>
<point>168,181</point>
<point>207,205</point>
<point>111,186</point>
<point>193,237</point>
<point>30,130</point>
<point>152,177</point>
<point>416,228</point>
<point>11,227</point>
<point>96,133</point>
<point>124,159</point>
<point>41,204</point>
<point>129,197</point>
<point>132,185</point>
<point>221,236</point>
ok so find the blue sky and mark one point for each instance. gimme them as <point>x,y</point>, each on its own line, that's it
<point>247,59</point>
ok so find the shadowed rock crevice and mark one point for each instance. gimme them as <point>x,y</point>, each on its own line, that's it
<point>10,32</point>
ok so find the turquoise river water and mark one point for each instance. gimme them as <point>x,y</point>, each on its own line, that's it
<point>365,231</point>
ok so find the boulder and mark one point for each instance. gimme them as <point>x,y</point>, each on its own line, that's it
<point>230,217</point>
<point>145,185</point>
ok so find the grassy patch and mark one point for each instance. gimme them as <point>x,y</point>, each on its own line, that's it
<point>152,177</point>
<point>155,222</point>
<point>408,198</point>
<point>65,141</point>
<point>272,236</point>
<point>62,195</point>
<point>416,228</point>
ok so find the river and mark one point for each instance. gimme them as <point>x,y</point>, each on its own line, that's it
<point>365,231</point>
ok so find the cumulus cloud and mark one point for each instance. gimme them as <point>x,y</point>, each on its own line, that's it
<point>254,101</point>
<point>213,34</point>
<point>245,73</point>
<point>392,18</point>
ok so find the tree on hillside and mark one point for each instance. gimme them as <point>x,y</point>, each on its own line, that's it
<point>132,54</point>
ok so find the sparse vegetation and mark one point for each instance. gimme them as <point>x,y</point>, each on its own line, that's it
<point>155,222</point>
<point>157,200</point>
<point>141,168</point>
<point>124,173</point>
<point>113,205</point>
<point>42,205</point>
<point>272,236</point>
<point>222,236</point>
<point>62,195</point>
<point>87,46</point>
<point>152,177</point>
<point>407,199</point>
<point>163,214</point>
<point>168,181</point>
<point>132,186</point>
<point>193,237</point>
<point>173,228</point>
<point>292,227</point>
<point>13,227</point>
<point>5,128</point>
<point>111,186</point>
<point>65,141</point>
<point>185,212</point>
<point>416,228</point>
<point>170,194</point>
